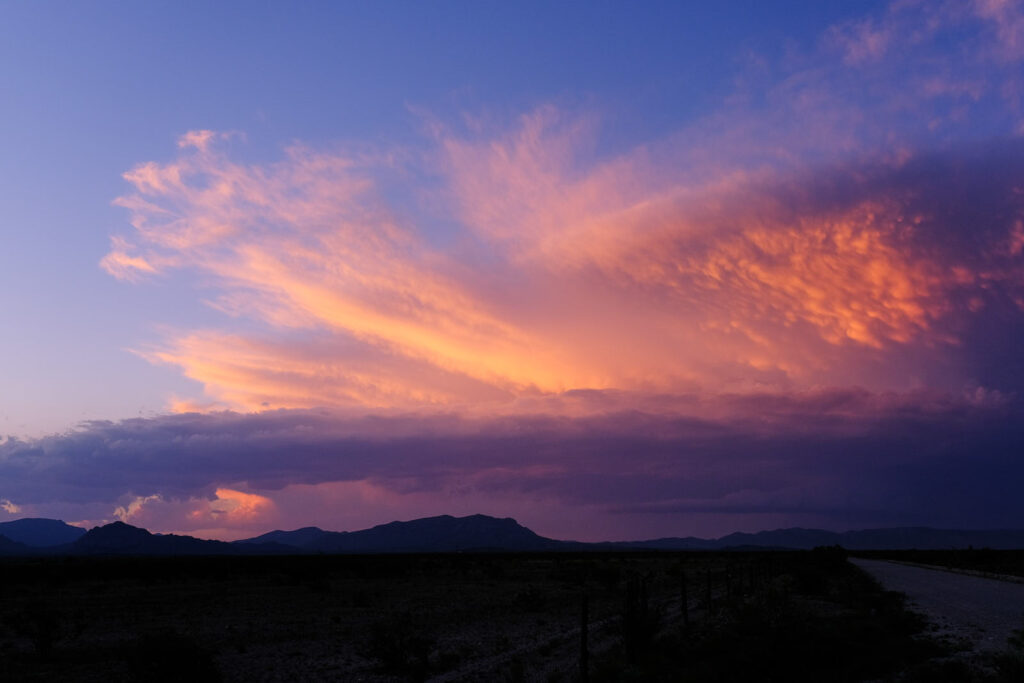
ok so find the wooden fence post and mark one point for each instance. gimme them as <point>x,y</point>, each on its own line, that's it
<point>684,601</point>
<point>708,594</point>
<point>584,652</point>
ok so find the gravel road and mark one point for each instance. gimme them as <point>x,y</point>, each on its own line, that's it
<point>981,611</point>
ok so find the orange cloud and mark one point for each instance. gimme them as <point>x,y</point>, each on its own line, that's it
<point>845,277</point>
<point>239,506</point>
<point>228,513</point>
<point>257,375</point>
<point>724,256</point>
<point>303,244</point>
<point>621,274</point>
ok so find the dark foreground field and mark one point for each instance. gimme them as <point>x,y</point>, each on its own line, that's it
<point>788,616</point>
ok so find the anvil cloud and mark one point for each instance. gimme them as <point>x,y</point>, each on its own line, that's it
<point>835,275</point>
<point>799,307</point>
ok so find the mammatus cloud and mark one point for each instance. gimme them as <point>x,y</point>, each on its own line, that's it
<point>799,302</point>
<point>819,229</point>
<point>829,276</point>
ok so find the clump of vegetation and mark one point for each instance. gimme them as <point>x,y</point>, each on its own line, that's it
<point>640,619</point>
<point>816,618</point>
<point>1009,665</point>
<point>401,646</point>
<point>41,623</point>
<point>171,656</point>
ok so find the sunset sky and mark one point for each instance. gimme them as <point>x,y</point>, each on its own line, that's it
<point>617,270</point>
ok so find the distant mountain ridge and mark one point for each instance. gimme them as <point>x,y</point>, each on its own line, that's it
<point>305,537</point>
<point>40,533</point>
<point>119,538</point>
<point>459,534</point>
<point>13,548</point>
<point>446,534</point>
<point>430,534</point>
<point>897,538</point>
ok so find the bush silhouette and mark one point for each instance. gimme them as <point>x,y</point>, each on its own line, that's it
<point>400,647</point>
<point>171,656</point>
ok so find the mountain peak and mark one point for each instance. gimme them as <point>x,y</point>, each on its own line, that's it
<point>299,538</point>
<point>116,536</point>
<point>441,533</point>
<point>119,527</point>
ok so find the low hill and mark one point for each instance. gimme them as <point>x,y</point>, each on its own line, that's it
<point>899,538</point>
<point>9,548</point>
<point>458,534</point>
<point>40,533</point>
<point>431,534</point>
<point>119,538</point>
<point>304,538</point>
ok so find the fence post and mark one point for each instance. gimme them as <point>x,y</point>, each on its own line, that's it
<point>684,601</point>
<point>708,594</point>
<point>584,652</point>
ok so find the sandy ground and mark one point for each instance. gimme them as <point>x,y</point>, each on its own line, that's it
<point>979,612</point>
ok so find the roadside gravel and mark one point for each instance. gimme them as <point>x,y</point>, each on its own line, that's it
<point>980,613</point>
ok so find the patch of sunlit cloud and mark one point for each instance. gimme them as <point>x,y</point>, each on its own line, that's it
<point>789,239</point>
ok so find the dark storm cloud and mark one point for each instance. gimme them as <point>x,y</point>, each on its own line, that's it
<point>849,455</point>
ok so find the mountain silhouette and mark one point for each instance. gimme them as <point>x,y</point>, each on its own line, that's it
<point>440,534</point>
<point>431,534</point>
<point>40,533</point>
<point>305,538</point>
<point>457,534</point>
<point>9,548</point>
<point>899,538</point>
<point>119,538</point>
<point>481,532</point>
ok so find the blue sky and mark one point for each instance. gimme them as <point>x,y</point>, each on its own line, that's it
<point>91,90</point>
<point>491,212</point>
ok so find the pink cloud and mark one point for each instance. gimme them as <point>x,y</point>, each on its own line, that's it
<point>1007,17</point>
<point>620,274</point>
<point>227,513</point>
<point>863,41</point>
<point>788,240</point>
